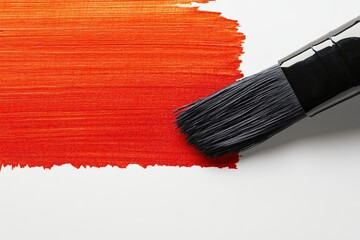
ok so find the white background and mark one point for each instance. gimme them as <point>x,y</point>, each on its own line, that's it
<point>302,184</point>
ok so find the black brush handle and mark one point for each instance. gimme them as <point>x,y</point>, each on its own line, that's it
<point>326,71</point>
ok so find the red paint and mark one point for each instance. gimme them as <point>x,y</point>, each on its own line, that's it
<point>94,83</point>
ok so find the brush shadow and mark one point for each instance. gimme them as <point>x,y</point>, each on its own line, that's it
<point>342,119</point>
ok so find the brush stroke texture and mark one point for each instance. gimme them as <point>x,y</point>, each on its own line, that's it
<point>94,83</point>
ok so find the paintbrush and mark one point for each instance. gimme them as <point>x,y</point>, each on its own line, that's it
<point>314,78</point>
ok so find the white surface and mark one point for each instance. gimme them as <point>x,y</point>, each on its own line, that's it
<point>302,184</point>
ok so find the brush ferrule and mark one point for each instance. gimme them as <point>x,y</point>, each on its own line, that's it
<point>326,71</point>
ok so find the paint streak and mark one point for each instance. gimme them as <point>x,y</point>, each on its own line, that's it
<point>94,83</point>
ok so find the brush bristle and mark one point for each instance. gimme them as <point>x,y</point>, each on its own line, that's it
<point>241,115</point>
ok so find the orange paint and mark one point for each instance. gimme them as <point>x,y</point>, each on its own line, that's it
<point>94,83</point>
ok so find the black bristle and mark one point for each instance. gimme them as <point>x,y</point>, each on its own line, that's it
<point>241,115</point>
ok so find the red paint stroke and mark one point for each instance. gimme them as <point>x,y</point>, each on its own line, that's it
<point>94,83</point>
